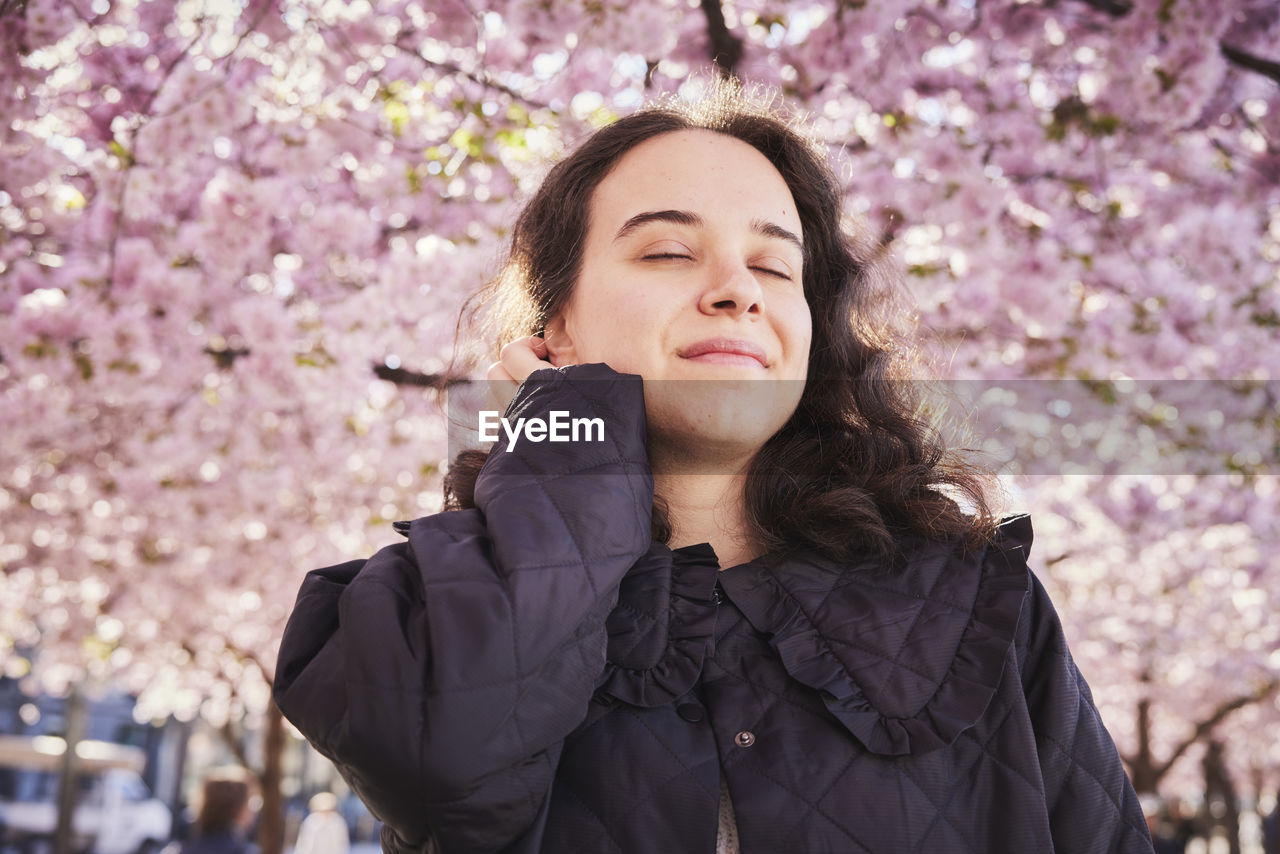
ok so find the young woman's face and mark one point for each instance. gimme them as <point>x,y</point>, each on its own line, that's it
<point>692,271</point>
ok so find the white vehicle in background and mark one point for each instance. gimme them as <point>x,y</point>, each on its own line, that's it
<point>115,812</point>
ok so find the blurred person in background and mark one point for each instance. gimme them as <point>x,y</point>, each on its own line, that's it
<point>1271,830</point>
<point>1166,836</point>
<point>323,831</point>
<point>226,814</point>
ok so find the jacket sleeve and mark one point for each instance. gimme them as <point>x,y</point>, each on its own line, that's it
<point>1091,803</point>
<point>442,675</point>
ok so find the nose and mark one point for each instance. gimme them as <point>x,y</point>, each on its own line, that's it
<point>733,290</point>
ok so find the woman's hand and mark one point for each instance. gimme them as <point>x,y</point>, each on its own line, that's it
<point>519,358</point>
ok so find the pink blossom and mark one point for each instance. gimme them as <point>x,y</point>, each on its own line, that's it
<point>205,254</point>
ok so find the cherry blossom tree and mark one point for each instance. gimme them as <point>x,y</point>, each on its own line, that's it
<point>234,237</point>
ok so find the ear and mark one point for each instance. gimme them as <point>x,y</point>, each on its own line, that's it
<point>560,346</point>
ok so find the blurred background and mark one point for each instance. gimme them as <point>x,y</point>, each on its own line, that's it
<point>235,235</point>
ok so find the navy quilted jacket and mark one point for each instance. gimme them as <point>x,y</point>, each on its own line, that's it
<point>538,675</point>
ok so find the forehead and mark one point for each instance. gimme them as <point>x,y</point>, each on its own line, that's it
<point>719,177</point>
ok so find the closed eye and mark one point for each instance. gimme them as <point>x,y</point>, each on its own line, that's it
<point>771,272</point>
<point>679,256</point>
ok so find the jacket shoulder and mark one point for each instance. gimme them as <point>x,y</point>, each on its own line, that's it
<point>906,660</point>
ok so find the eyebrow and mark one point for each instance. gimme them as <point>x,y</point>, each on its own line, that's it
<point>759,226</point>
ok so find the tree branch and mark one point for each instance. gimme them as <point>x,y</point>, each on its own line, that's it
<point>479,78</point>
<point>403,376</point>
<point>227,731</point>
<point>226,356</point>
<point>726,48</point>
<point>1219,714</point>
<point>1265,67</point>
<point>232,740</point>
<point>245,655</point>
<point>1114,8</point>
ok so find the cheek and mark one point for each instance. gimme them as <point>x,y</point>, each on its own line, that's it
<point>800,323</point>
<point>631,312</point>
<point>609,324</point>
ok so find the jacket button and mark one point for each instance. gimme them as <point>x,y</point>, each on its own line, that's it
<point>746,738</point>
<point>691,712</point>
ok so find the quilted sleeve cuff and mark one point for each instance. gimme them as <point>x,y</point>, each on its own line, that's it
<point>560,502</point>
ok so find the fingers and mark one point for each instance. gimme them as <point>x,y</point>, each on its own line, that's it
<point>523,356</point>
<point>518,359</point>
<point>500,387</point>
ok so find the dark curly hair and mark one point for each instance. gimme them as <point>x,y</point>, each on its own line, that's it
<point>223,799</point>
<point>858,467</point>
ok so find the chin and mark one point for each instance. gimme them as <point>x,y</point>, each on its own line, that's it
<point>717,423</point>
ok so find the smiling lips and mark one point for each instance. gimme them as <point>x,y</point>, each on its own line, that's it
<point>726,351</point>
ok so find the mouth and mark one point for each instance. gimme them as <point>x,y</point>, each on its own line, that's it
<point>726,351</point>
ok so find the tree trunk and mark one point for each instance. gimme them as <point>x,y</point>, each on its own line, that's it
<point>1219,789</point>
<point>67,788</point>
<point>1146,772</point>
<point>1142,768</point>
<point>726,48</point>
<point>271,823</point>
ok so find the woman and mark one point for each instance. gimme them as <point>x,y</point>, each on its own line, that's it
<point>224,818</point>
<point>753,616</point>
<point>324,830</point>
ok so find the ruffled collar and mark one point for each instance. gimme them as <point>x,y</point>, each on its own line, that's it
<point>905,660</point>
